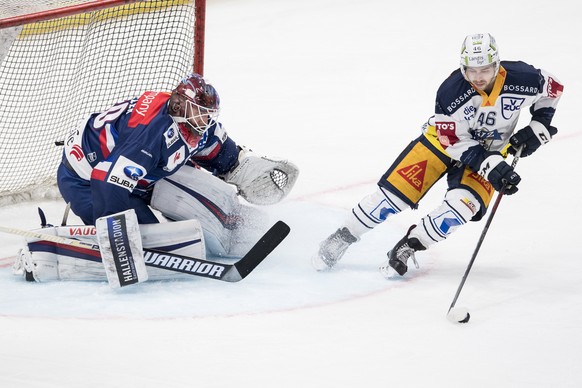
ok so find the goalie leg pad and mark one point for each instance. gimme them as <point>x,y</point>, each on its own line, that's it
<point>121,248</point>
<point>181,237</point>
<point>250,226</point>
<point>192,193</point>
<point>261,180</point>
<point>40,267</point>
<point>45,261</point>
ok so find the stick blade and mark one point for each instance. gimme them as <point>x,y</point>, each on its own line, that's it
<point>458,315</point>
<point>259,252</point>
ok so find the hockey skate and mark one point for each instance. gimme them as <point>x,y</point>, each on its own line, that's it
<point>332,249</point>
<point>398,256</point>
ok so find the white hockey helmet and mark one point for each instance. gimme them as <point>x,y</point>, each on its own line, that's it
<point>479,50</point>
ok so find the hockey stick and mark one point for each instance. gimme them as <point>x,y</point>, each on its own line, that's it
<point>66,214</point>
<point>483,233</point>
<point>179,263</point>
<point>51,238</point>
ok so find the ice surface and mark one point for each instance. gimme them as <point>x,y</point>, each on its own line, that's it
<point>339,88</point>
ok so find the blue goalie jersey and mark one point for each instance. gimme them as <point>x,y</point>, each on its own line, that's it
<point>124,150</point>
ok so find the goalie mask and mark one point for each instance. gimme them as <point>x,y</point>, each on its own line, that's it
<point>194,105</point>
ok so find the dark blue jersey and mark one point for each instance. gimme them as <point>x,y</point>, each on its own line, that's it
<point>124,150</point>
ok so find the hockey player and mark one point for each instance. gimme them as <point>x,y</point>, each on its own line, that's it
<point>165,151</point>
<point>476,112</point>
<point>113,162</point>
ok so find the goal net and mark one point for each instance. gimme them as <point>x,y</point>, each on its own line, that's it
<point>69,59</point>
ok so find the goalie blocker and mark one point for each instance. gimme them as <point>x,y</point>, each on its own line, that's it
<point>121,248</point>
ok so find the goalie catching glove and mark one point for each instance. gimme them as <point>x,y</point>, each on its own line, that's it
<point>261,180</point>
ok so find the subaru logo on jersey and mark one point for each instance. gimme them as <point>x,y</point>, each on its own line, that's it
<point>133,172</point>
<point>510,105</point>
<point>125,173</point>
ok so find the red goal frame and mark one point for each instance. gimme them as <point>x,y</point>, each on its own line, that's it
<point>199,25</point>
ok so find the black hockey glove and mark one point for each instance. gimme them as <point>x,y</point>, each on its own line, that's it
<point>503,174</point>
<point>529,139</point>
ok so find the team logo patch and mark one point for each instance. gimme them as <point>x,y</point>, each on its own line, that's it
<point>414,174</point>
<point>555,88</point>
<point>485,136</point>
<point>176,159</point>
<point>510,105</point>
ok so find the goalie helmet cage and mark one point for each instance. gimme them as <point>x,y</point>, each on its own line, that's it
<point>66,59</point>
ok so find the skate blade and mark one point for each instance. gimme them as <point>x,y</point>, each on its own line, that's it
<point>389,273</point>
<point>318,264</point>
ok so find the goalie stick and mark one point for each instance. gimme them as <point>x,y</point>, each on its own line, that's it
<point>179,263</point>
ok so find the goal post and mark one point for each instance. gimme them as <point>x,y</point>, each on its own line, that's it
<point>68,59</point>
